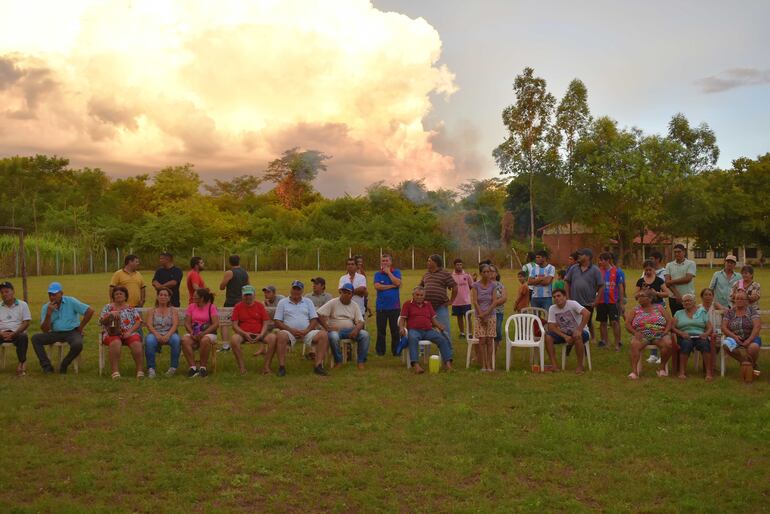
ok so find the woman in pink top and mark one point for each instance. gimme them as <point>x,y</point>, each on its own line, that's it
<point>202,322</point>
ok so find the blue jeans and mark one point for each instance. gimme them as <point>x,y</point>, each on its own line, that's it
<point>435,337</point>
<point>362,340</point>
<point>442,313</point>
<point>151,347</point>
<point>499,326</point>
<point>543,303</point>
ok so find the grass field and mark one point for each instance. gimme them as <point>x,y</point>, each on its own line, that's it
<point>382,439</point>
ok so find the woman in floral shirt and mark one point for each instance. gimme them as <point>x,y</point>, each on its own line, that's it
<point>746,283</point>
<point>122,323</point>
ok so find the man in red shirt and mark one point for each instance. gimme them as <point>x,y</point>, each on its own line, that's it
<point>250,324</point>
<point>194,279</point>
<point>419,322</point>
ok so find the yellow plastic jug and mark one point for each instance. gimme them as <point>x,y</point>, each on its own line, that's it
<point>434,364</point>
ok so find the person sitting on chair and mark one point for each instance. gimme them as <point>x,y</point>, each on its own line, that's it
<point>250,324</point>
<point>567,321</point>
<point>419,322</point>
<point>650,324</point>
<point>202,322</point>
<point>343,319</point>
<point>121,324</point>
<point>63,320</point>
<point>14,321</point>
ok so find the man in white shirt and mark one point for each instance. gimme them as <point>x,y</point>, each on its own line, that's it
<point>14,321</point>
<point>567,321</point>
<point>342,318</point>
<point>357,280</point>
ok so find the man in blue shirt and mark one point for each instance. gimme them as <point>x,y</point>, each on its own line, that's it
<point>387,282</point>
<point>297,320</point>
<point>61,322</point>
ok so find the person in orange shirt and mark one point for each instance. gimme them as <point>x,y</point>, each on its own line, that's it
<point>522,300</point>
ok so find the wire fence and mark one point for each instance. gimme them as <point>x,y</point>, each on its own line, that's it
<point>75,261</point>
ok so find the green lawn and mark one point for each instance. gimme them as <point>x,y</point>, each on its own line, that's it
<point>382,439</point>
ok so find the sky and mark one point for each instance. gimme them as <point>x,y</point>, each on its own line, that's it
<point>391,89</point>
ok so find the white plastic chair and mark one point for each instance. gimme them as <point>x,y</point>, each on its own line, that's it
<point>641,358</point>
<point>59,345</point>
<point>3,348</point>
<point>524,329</point>
<point>543,315</point>
<point>470,320</point>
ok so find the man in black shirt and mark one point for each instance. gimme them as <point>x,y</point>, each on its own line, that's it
<point>168,276</point>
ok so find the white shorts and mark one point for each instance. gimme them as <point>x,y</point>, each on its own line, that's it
<point>308,339</point>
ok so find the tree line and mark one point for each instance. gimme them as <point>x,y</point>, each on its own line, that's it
<point>568,166</point>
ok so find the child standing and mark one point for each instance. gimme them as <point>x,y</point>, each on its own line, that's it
<point>522,300</point>
<point>559,282</point>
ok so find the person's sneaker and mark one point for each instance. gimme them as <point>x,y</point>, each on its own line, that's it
<point>48,370</point>
<point>602,343</point>
<point>151,373</point>
<point>171,372</point>
<point>203,372</point>
<point>224,349</point>
<point>282,371</point>
<point>462,334</point>
<point>192,372</point>
<point>319,370</point>
<point>653,359</point>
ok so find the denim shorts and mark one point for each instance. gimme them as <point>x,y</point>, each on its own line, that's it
<point>460,310</point>
<point>687,345</point>
<point>557,339</point>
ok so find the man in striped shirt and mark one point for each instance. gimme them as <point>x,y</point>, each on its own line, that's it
<point>540,279</point>
<point>436,282</point>
<point>610,302</point>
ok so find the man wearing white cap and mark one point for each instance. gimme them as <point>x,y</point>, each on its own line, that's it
<point>63,319</point>
<point>723,281</point>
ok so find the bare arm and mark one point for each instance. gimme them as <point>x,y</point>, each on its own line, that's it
<point>225,279</point>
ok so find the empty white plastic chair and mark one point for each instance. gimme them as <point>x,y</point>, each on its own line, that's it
<point>524,336</point>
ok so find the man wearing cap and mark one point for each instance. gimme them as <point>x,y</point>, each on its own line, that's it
<point>63,320</point>
<point>584,284</point>
<point>271,303</point>
<point>296,318</point>
<point>723,281</point>
<point>319,296</point>
<point>130,278</point>
<point>342,318</point>
<point>250,324</point>
<point>14,321</point>
<point>357,280</point>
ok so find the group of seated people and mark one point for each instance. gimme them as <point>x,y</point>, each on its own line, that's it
<point>322,322</point>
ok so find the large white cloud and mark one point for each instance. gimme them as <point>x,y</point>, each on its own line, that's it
<point>226,85</point>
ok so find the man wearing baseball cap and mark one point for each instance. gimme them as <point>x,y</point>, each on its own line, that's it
<point>63,319</point>
<point>585,283</point>
<point>250,324</point>
<point>14,321</point>
<point>723,281</point>
<point>342,318</point>
<point>296,319</point>
<point>319,296</point>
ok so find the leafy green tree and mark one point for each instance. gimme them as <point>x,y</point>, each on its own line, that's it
<point>293,173</point>
<point>526,149</point>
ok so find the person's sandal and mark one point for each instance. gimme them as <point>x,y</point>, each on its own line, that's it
<point>115,375</point>
<point>140,374</point>
<point>633,376</point>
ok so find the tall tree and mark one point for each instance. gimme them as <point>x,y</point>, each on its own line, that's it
<point>293,173</point>
<point>700,150</point>
<point>526,149</point>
